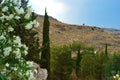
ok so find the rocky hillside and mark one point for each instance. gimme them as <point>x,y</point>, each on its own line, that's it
<point>62,33</point>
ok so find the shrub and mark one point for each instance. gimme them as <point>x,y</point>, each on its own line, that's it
<point>61,63</point>
<point>12,64</point>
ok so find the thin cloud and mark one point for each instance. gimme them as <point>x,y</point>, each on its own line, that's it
<point>54,8</point>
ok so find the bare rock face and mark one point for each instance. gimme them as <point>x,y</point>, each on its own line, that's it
<point>41,73</point>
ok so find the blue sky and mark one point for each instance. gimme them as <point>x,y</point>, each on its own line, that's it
<point>101,13</point>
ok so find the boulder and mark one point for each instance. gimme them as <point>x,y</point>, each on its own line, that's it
<point>41,74</point>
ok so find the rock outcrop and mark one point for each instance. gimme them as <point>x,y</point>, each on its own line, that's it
<point>41,73</point>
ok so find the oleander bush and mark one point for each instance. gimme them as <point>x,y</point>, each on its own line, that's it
<point>12,64</point>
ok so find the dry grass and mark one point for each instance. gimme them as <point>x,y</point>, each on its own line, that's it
<point>61,33</point>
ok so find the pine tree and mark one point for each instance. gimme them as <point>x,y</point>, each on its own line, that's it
<point>45,56</point>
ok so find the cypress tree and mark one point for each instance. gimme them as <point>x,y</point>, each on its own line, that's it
<point>106,50</point>
<point>45,56</point>
<point>79,57</point>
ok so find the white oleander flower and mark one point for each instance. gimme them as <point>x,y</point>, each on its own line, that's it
<point>95,52</point>
<point>29,63</point>
<point>18,56</point>
<point>10,4</point>
<point>19,10</point>
<point>117,75</point>
<point>15,68</point>
<point>17,53</point>
<point>17,40</point>
<point>7,65</point>
<point>2,37</point>
<point>114,77</point>
<point>27,16</point>
<point>35,70</point>
<point>30,74</point>
<point>25,47</point>
<point>20,73</point>
<point>15,1</point>
<point>3,71</point>
<point>2,2</point>
<point>7,51</point>
<point>29,10</point>
<point>7,17</point>
<point>19,44</point>
<point>11,16</point>
<point>17,17</point>
<point>3,17</point>
<point>4,33</point>
<point>29,25</point>
<point>25,52</point>
<point>9,41</point>
<point>16,8</point>
<point>36,24</point>
<point>5,9</point>
<point>10,29</point>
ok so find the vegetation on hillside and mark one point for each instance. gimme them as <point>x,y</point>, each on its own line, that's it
<point>74,61</point>
<point>92,65</point>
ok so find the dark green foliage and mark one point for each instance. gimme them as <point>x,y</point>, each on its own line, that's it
<point>112,66</point>
<point>45,56</point>
<point>87,67</point>
<point>1,1</point>
<point>99,66</point>
<point>93,28</point>
<point>32,41</point>
<point>81,50</point>
<point>34,48</point>
<point>77,46</point>
<point>24,2</point>
<point>61,63</point>
<point>115,65</point>
<point>92,65</point>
